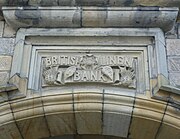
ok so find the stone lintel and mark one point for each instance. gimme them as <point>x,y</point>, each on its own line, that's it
<point>126,17</point>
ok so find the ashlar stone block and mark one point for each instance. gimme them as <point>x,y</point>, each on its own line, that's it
<point>4,77</point>
<point>61,124</point>
<point>33,128</point>
<point>173,46</point>
<point>143,129</point>
<point>6,46</point>
<point>88,114</point>
<point>8,31</point>
<point>10,131</point>
<point>174,64</point>
<point>117,115</point>
<point>88,122</point>
<point>165,130</point>
<point>5,63</point>
<point>175,78</point>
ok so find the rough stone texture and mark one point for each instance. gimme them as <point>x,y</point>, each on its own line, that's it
<point>173,52</point>
<point>6,46</point>
<point>1,28</point>
<point>173,47</point>
<point>5,63</point>
<point>174,64</point>
<point>175,78</point>
<point>9,32</point>
<point>4,77</point>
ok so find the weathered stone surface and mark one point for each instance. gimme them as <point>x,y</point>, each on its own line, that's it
<point>6,115</point>
<point>172,116</point>
<point>88,114</point>
<point>19,17</point>
<point>88,122</point>
<point>44,17</point>
<point>117,114</point>
<point>121,3</point>
<point>10,131</point>
<point>126,17</point>
<point>3,97</point>
<point>143,128</point>
<point>1,28</point>
<point>174,64</point>
<point>31,58</point>
<point>30,108</point>
<point>173,46</point>
<point>147,116</point>
<point>6,46</point>
<point>116,124</point>
<point>5,63</point>
<point>9,32</point>
<point>61,124</point>
<point>33,128</point>
<point>175,78</point>
<point>4,77</point>
<point>165,130</point>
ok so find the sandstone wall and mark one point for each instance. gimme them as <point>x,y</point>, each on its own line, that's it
<point>7,39</point>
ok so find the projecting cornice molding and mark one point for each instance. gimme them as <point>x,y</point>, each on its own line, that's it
<point>54,17</point>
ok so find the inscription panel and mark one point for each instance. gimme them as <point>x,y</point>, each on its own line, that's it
<point>130,60</point>
<point>110,68</point>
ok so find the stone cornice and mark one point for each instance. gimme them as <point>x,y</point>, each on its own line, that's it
<point>101,3</point>
<point>52,17</point>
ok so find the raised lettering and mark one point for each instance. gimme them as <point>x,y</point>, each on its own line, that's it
<point>48,62</point>
<point>54,60</point>
<point>77,76</point>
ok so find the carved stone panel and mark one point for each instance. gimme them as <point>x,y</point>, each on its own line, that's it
<point>62,69</point>
<point>130,60</point>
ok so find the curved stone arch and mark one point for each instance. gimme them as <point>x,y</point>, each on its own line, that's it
<point>95,112</point>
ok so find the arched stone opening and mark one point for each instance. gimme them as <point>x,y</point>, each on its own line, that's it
<point>59,113</point>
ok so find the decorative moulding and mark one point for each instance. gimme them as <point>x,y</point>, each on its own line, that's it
<point>33,46</point>
<point>52,17</point>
